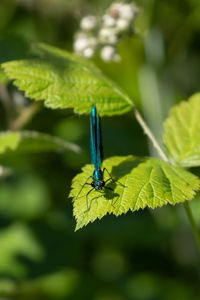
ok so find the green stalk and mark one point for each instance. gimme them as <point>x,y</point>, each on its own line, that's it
<point>192,222</point>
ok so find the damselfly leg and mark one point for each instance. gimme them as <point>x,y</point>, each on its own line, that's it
<point>86,183</point>
<point>87,198</point>
<point>99,187</point>
<point>111,178</point>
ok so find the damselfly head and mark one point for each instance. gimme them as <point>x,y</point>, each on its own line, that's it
<point>98,184</point>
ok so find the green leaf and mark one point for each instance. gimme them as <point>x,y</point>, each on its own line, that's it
<point>149,182</point>
<point>182,133</point>
<point>64,80</point>
<point>9,140</point>
<point>3,77</point>
<point>33,141</point>
<point>17,240</point>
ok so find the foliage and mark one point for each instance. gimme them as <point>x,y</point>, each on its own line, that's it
<point>182,133</point>
<point>63,81</point>
<point>33,141</point>
<point>9,140</point>
<point>149,182</point>
<point>3,78</point>
<point>148,254</point>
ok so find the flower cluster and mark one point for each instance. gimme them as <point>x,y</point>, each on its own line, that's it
<point>104,33</point>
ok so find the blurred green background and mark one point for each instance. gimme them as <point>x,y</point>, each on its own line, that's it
<point>148,255</point>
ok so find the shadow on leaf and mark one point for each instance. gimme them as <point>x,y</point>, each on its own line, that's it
<point>125,167</point>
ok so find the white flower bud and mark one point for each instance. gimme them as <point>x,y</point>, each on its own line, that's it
<point>88,52</point>
<point>104,33</point>
<point>108,21</point>
<point>122,24</point>
<point>108,35</point>
<point>88,23</point>
<point>124,11</point>
<point>115,9</point>
<point>128,12</point>
<point>80,44</point>
<point>108,53</point>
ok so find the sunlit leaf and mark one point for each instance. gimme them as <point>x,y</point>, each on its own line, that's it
<point>64,80</point>
<point>9,140</point>
<point>3,77</point>
<point>149,182</point>
<point>182,133</point>
<point>33,141</point>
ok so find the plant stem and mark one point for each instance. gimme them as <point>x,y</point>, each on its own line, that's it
<point>149,133</point>
<point>162,154</point>
<point>192,222</point>
<point>25,116</point>
<point>7,103</point>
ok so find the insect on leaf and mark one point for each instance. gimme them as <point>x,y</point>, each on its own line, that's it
<point>149,182</point>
